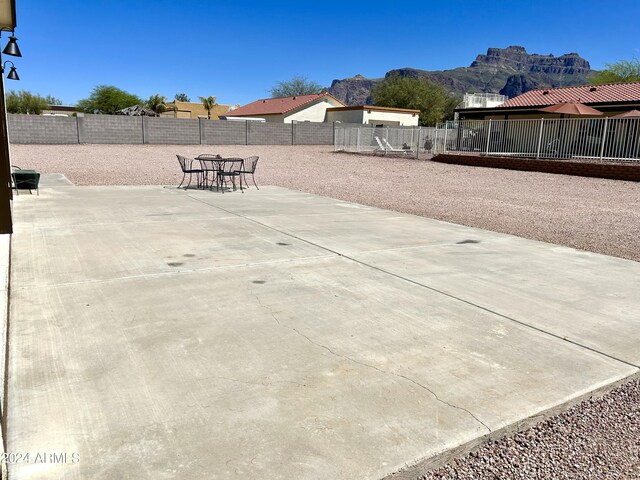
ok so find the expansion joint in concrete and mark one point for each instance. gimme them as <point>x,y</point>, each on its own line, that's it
<point>436,290</point>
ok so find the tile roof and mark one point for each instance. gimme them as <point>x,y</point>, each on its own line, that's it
<point>277,106</point>
<point>607,93</point>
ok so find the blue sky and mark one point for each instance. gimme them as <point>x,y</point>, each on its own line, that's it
<point>237,50</point>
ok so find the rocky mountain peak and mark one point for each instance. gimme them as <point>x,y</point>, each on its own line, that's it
<point>510,70</point>
<point>517,58</point>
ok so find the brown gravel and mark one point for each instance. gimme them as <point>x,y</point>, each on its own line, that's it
<point>598,439</point>
<point>592,214</point>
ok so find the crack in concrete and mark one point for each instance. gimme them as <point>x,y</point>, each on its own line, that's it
<point>358,362</point>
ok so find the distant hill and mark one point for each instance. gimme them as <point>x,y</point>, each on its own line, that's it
<point>509,71</point>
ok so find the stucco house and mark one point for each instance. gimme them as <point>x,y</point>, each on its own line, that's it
<point>323,107</point>
<point>376,116</point>
<point>301,108</point>
<point>610,99</point>
<point>195,110</point>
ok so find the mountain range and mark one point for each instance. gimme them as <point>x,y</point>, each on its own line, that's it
<point>509,71</point>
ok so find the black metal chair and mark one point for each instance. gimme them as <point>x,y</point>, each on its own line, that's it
<point>249,166</point>
<point>230,168</point>
<point>186,164</point>
<point>25,180</point>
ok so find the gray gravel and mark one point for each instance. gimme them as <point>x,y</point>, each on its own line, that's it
<point>598,439</point>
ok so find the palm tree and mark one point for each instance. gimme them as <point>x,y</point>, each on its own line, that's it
<point>208,103</point>
<point>157,103</point>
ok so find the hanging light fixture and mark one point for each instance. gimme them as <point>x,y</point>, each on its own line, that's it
<point>12,47</point>
<point>13,74</point>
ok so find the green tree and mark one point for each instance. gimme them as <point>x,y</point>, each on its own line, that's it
<point>435,103</point>
<point>108,99</point>
<point>298,85</point>
<point>27,102</point>
<point>157,103</point>
<point>621,71</point>
<point>208,103</point>
<point>182,97</point>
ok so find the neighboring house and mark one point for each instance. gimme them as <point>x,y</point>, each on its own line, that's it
<point>196,110</point>
<point>482,100</point>
<point>610,99</point>
<point>376,116</point>
<point>60,110</point>
<point>301,108</point>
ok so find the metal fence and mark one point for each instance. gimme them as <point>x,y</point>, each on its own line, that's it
<point>603,139</point>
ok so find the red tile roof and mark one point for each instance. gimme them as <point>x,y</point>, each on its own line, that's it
<point>587,94</point>
<point>277,106</point>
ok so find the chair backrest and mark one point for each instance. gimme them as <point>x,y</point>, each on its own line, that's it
<point>231,165</point>
<point>185,163</point>
<point>386,142</point>
<point>250,164</point>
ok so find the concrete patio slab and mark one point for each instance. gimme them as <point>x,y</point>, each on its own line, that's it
<point>157,333</point>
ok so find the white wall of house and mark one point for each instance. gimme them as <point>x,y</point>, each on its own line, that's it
<point>345,116</point>
<point>390,118</point>
<point>363,116</point>
<point>311,113</point>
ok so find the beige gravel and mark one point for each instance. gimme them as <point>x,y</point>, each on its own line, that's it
<point>592,214</point>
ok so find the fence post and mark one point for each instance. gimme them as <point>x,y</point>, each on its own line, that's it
<point>445,138</point>
<point>488,138</point>
<point>246,132</point>
<point>335,140</point>
<point>540,137</point>
<point>358,140</point>
<point>419,142</point>
<point>604,137</point>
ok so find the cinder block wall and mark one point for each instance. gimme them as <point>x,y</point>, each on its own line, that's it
<point>171,131</point>
<point>114,129</point>
<point>312,133</point>
<point>121,129</point>
<point>223,133</point>
<point>269,133</point>
<point>38,129</point>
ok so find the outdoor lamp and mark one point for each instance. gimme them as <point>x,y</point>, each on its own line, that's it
<point>12,47</point>
<point>13,75</point>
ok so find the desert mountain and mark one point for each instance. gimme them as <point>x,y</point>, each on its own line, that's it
<point>509,71</point>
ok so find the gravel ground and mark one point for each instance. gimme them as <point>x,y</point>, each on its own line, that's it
<point>597,439</point>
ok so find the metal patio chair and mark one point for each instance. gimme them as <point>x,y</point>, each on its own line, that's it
<point>186,164</point>
<point>230,168</point>
<point>249,166</point>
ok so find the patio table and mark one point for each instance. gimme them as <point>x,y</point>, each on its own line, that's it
<point>211,163</point>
